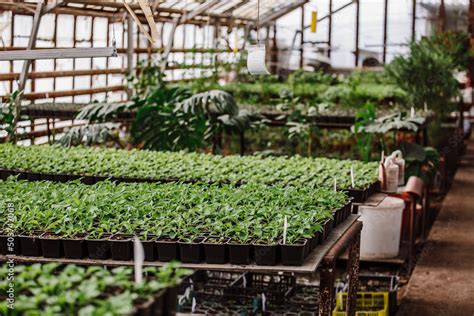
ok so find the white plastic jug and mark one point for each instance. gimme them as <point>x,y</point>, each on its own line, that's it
<point>382,228</point>
<point>400,162</point>
<point>391,175</point>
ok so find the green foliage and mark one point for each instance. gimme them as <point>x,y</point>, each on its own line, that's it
<point>148,77</point>
<point>454,44</point>
<point>364,143</point>
<point>7,114</point>
<point>426,75</point>
<point>282,171</point>
<point>394,122</point>
<point>57,289</point>
<point>102,112</point>
<point>90,134</point>
<point>181,211</point>
<point>421,161</point>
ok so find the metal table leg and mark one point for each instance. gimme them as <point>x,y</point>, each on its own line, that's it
<point>353,267</point>
<point>351,241</point>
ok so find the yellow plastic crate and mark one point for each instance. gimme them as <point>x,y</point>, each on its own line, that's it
<point>368,304</point>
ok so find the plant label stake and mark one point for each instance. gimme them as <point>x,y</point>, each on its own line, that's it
<point>138,259</point>
<point>285,229</point>
<point>244,282</point>
<point>382,156</point>
<point>335,184</point>
<point>193,305</point>
<point>412,112</point>
<point>264,302</point>
<point>352,178</point>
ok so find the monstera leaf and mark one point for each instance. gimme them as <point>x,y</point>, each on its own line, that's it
<point>394,122</point>
<point>88,135</point>
<point>212,102</point>
<point>102,112</point>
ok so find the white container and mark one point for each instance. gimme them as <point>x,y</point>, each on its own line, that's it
<point>400,162</point>
<point>391,175</point>
<point>382,228</point>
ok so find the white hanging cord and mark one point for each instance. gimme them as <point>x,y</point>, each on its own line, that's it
<point>114,41</point>
<point>258,22</point>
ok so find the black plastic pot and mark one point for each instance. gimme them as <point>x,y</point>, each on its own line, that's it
<point>75,248</point>
<point>294,255</point>
<point>33,176</point>
<point>99,178</point>
<point>216,250</point>
<point>61,178</point>
<point>240,253</point>
<point>21,175</point>
<point>314,241</point>
<point>145,308</point>
<point>327,227</point>
<point>149,247</point>
<point>9,243</point>
<point>89,180</point>
<point>170,301</point>
<point>30,245</point>
<point>358,195</point>
<point>51,245</point>
<point>121,247</point>
<point>191,252</point>
<point>73,177</point>
<point>7,173</point>
<point>265,255</point>
<point>99,248</point>
<point>168,250</point>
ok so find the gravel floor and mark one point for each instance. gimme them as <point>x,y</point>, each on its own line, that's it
<point>442,283</point>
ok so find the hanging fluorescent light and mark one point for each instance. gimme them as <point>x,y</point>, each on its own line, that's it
<point>61,53</point>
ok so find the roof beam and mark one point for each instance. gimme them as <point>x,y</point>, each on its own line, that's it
<point>199,10</point>
<point>272,16</point>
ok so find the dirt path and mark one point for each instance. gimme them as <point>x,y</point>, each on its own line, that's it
<point>442,283</point>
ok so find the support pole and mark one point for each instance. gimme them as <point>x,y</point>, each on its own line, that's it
<point>385,26</point>
<point>27,63</point>
<point>357,33</point>
<point>130,51</point>
<point>442,17</point>
<point>413,21</point>
<point>302,39</point>
<point>353,266</point>
<point>330,29</point>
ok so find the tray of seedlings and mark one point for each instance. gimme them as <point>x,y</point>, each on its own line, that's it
<point>193,223</point>
<point>92,165</point>
<point>57,289</point>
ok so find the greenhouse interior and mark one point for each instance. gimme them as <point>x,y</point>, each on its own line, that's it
<point>236,157</point>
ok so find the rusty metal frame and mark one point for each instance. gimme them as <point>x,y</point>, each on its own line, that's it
<point>351,241</point>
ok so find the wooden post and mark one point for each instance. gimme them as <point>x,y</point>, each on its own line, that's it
<point>442,17</point>
<point>385,26</point>
<point>413,21</point>
<point>302,39</point>
<point>129,51</point>
<point>74,41</point>
<point>357,33</point>
<point>274,51</point>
